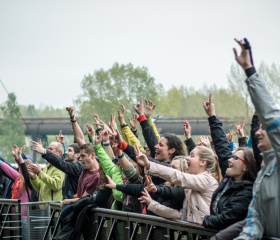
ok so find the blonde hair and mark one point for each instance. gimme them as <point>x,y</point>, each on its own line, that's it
<point>183,162</point>
<point>212,165</point>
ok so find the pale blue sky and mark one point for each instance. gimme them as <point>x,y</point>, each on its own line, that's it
<point>46,47</point>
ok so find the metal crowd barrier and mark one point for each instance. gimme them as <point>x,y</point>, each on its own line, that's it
<point>10,219</point>
<point>38,217</point>
<point>44,223</point>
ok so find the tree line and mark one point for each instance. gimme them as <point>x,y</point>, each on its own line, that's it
<point>105,90</point>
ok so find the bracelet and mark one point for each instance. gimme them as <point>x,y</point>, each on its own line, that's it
<point>72,116</point>
<point>149,118</point>
<point>107,143</point>
<point>99,127</point>
<point>74,121</point>
<point>92,139</point>
<point>34,178</point>
<point>121,156</point>
<point>63,202</point>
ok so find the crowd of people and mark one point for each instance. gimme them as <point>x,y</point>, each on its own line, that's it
<point>234,191</point>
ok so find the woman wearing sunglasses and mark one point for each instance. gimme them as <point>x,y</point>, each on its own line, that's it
<point>231,199</point>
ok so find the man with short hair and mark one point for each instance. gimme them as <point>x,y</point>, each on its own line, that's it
<point>70,166</point>
<point>48,182</point>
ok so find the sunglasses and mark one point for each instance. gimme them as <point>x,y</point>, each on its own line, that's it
<point>235,158</point>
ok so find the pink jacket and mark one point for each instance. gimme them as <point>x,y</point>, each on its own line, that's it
<point>22,195</point>
<point>199,190</point>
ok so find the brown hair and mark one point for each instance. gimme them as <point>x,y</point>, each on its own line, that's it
<point>174,142</point>
<point>88,148</point>
<point>252,171</point>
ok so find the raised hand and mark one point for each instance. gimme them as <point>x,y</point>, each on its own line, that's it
<point>141,158</point>
<point>30,171</point>
<point>133,123</point>
<point>209,107</point>
<point>103,125</point>
<point>113,121</point>
<point>96,119</point>
<point>117,151</point>
<point>121,115</point>
<point>90,131</point>
<point>111,184</point>
<point>70,110</point>
<point>34,168</point>
<point>60,137</point>
<point>150,185</point>
<point>187,129</point>
<point>150,106</point>
<point>115,136</point>
<point>139,108</point>
<point>20,151</point>
<point>244,58</point>
<point>37,147</point>
<point>239,129</point>
<point>204,141</point>
<point>229,136</point>
<point>146,198</point>
<point>98,139</point>
<point>106,136</point>
<point>15,152</point>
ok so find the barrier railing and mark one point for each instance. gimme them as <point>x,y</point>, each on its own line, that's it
<point>10,219</point>
<point>43,223</point>
<point>38,217</point>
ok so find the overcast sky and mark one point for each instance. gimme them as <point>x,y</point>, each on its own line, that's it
<point>46,47</point>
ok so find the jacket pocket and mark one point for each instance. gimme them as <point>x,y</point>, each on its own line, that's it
<point>200,210</point>
<point>267,186</point>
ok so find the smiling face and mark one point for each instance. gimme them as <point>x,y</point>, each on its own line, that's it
<point>163,154</point>
<point>236,168</point>
<point>195,164</point>
<point>264,141</point>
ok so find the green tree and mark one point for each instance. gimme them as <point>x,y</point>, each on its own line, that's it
<point>104,91</point>
<point>11,128</point>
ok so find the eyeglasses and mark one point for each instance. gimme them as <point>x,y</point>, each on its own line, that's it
<point>234,157</point>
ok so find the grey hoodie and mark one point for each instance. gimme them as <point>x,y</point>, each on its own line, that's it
<point>264,212</point>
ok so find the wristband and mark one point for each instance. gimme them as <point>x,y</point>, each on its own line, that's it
<point>74,121</point>
<point>141,118</point>
<point>121,156</point>
<point>149,118</point>
<point>63,202</point>
<point>107,143</point>
<point>34,178</point>
<point>92,139</point>
<point>99,127</point>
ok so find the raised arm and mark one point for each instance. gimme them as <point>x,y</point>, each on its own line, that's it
<point>239,129</point>
<point>128,135</point>
<point>187,132</point>
<point>77,131</point>
<point>147,130</point>
<point>219,138</point>
<point>255,126</point>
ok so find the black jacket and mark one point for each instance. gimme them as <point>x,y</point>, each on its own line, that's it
<point>172,197</point>
<point>149,136</point>
<point>72,172</point>
<point>233,203</point>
